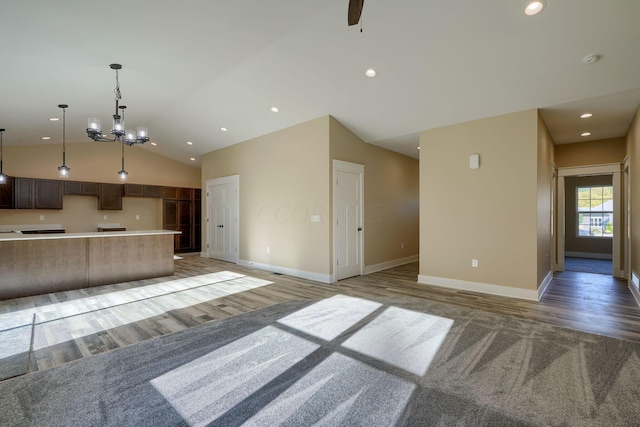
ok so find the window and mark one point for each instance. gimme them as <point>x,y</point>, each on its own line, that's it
<point>595,211</point>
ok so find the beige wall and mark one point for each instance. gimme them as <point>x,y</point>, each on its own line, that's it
<point>284,179</point>
<point>489,213</point>
<point>99,162</point>
<point>633,146</point>
<point>573,243</point>
<point>95,162</point>
<point>391,196</point>
<point>590,153</point>
<point>545,161</point>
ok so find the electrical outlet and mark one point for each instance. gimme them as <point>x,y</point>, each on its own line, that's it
<point>268,250</point>
<point>474,263</point>
<point>105,217</point>
<point>137,216</point>
<point>41,217</point>
<point>402,245</point>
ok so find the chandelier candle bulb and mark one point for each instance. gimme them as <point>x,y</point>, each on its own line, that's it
<point>94,125</point>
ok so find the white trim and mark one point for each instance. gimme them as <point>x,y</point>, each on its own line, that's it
<point>390,264</point>
<point>309,275</point>
<point>617,224</point>
<point>339,165</point>
<point>612,169</point>
<point>604,169</point>
<point>544,285</point>
<point>485,288</point>
<point>588,255</point>
<point>560,223</point>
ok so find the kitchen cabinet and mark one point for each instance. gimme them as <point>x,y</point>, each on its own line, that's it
<point>24,193</point>
<point>110,197</point>
<point>48,194</point>
<point>7,201</point>
<point>80,188</point>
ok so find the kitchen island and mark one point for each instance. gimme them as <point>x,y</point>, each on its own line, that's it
<point>34,264</point>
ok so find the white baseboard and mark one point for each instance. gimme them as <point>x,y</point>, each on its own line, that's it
<point>587,255</point>
<point>310,275</point>
<point>484,288</point>
<point>389,264</point>
<point>544,285</point>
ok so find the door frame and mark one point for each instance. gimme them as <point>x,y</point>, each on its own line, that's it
<point>235,233</point>
<point>614,169</point>
<point>339,165</point>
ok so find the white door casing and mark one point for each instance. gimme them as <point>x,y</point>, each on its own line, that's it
<point>222,218</point>
<point>348,205</point>
<point>606,169</point>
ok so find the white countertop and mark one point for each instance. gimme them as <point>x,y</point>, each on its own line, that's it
<point>16,236</point>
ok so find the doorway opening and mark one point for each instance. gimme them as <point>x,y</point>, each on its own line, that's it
<point>590,225</point>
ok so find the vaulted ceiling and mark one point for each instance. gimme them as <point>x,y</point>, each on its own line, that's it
<point>193,67</point>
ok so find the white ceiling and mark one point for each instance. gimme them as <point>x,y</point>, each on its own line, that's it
<point>193,66</point>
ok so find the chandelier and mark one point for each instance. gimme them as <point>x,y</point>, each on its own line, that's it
<point>120,134</point>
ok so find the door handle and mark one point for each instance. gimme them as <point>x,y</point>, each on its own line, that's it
<point>359,228</point>
<point>220,226</point>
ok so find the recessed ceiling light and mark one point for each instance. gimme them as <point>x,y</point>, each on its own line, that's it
<point>224,129</point>
<point>585,115</point>
<point>370,72</point>
<point>192,159</point>
<point>154,144</point>
<point>534,7</point>
<point>189,142</point>
<point>46,137</point>
<point>585,134</point>
<point>274,109</point>
<point>54,119</point>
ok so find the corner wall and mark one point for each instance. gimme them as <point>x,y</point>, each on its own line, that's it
<point>284,180</point>
<point>633,150</point>
<point>391,198</point>
<point>545,160</point>
<point>489,214</point>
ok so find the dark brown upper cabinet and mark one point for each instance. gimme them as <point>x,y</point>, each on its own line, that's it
<point>48,194</point>
<point>7,201</point>
<point>110,197</point>
<point>24,193</point>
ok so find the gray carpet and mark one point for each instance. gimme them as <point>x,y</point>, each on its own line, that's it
<point>15,350</point>
<point>588,265</point>
<point>343,361</point>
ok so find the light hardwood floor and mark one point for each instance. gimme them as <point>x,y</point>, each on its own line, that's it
<point>76,324</point>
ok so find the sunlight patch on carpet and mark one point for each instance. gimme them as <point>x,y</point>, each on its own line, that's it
<point>204,389</point>
<point>330,317</point>
<point>339,391</point>
<point>402,338</point>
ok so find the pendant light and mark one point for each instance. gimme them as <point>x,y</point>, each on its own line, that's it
<point>64,170</point>
<point>3,177</point>
<point>123,173</point>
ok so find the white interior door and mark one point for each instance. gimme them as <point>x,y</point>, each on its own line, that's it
<point>222,219</point>
<point>348,206</point>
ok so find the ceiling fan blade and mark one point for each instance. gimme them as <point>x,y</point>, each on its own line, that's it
<point>355,10</point>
